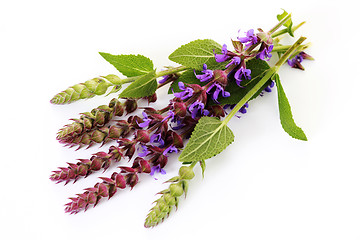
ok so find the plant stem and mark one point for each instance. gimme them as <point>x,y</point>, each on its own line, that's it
<point>170,71</point>
<point>283,31</point>
<point>283,48</point>
<point>247,96</point>
<point>277,26</point>
<point>272,71</point>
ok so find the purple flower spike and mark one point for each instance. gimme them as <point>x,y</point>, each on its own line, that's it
<point>156,169</point>
<point>268,88</point>
<point>242,73</point>
<point>265,53</point>
<point>197,108</point>
<point>144,152</point>
<point>164,79</point>
<point>171,115</point>
<point>296,62</point>
<point>218,89</point>
<point>146,121</point>
<point>186,93</point>
<point>156,138</point>
<point>235,61</point>
<point>208,74</point>
<point>170,149</point>
<point>250,38</point>
<point>222,57</point>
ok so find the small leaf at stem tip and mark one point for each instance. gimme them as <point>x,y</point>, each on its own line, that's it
<point>288,24</point>
<point>129,65</point>
<point>145,86</point>
<point>286,117</point>
<point>210,137</point>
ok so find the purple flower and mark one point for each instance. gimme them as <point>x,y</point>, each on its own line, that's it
<point>170,149</point>
<point>243,108</point>
<point>269,87</point>
<point>197,108</point>
<point>186,93</point>
<point>222,57</point>
<point>296,62</point>
<point>235,61</point>
<point>144,152</point>
<point>242,73</point>
<point>156,138</point>
<point>218,89</point>
<point>265,53</point>
<point>250,38</point>
<point>208,74</point>
<point>164,79</point>
<point>158,169</point>
<point>171,115</point>
<point>146,121</point>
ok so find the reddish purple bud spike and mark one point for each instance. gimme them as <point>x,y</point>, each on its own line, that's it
<point>120,181</point>
<point>91,199</point>
<point>127,169</point>
<point>112,190</point>
<point>103,190</point>
<point>145,166</point>
<point>82,170</point>
<point>96,164</point>
<point>107,180</point>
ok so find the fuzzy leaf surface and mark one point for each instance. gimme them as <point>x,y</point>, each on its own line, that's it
<point>129,65</point>
<point>196,53</point>
<point>286,117</point>
<point>210,137</point>
<point>145,86</point>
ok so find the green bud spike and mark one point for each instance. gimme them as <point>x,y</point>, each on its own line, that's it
<point>92,87</point>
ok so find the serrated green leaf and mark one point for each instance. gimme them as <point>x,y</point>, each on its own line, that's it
<point>210,137</point>
<point>286,117</point>
<point>258,70</point>
<point>129,65</point>
<point>288,24</point>
<point>196,53</point>
<point>145,86</point>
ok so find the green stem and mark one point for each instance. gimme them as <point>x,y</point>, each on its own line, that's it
<point>170,71</point>
<point>277,26</point>
<point>283,31</point>
<point>283,48</point>
<point>289,52</point>
<point>251,93</point>
<point>272,71</point>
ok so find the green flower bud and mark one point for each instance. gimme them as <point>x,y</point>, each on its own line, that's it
<point>176,190</point>
<point>186,172</point>
<point>169,199</point>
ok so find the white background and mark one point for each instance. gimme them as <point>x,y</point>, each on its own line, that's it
<point>265,185</point>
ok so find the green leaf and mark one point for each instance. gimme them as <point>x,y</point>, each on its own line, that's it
<point>196,53</point>
<point>186,77</point>
<point>129,65</point>
<point>145,86</point>
<point>210,137</point>
<point>258,70</point>
<point>288,24</point>
<point>286,116</point>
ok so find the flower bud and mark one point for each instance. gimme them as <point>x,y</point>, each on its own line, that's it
<point>142,136</point>
<point>130,105</point>
<point>220,77</point>
<point>180,109</point>
<point>169,199</point>
<point>176,190</point>
<point>177,140</point>
<point>186,172</point>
